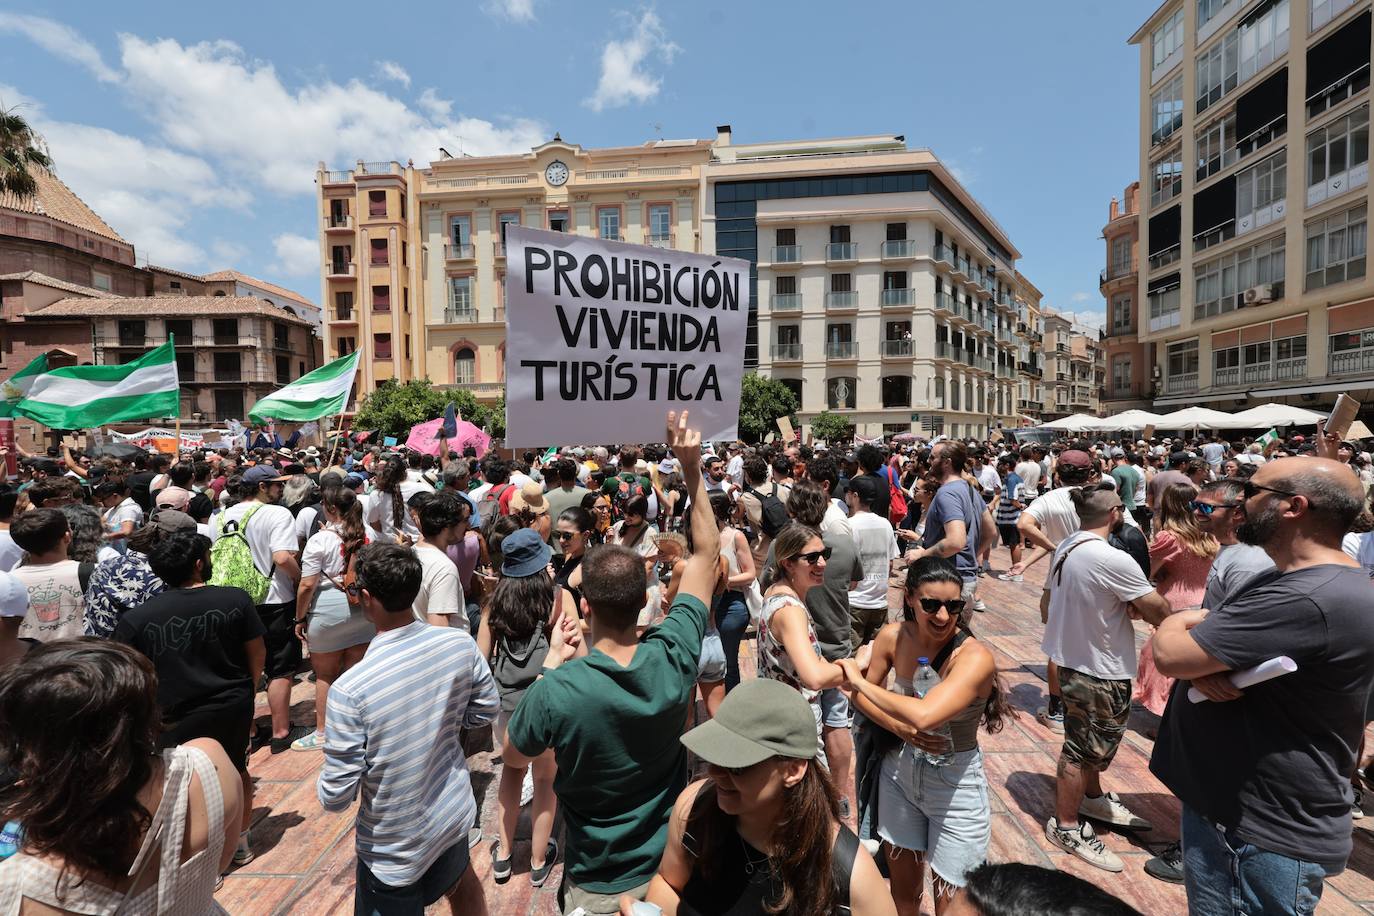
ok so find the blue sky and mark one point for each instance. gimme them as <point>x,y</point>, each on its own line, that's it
<point>196,133</point>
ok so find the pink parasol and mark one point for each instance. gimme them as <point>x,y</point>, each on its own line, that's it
<point>422,438</point>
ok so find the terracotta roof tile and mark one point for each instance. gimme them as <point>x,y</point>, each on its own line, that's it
<point>33,276</point>
<point>254,281</point>
<point>54,199</point>
<point>170,306</point>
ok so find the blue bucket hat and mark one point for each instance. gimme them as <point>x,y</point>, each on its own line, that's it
<point>523,553</point>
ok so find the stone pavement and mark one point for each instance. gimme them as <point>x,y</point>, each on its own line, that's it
<point>305,859</point>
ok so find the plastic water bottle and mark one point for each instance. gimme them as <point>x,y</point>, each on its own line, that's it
<point>11,839</point>
<point>925,680</point>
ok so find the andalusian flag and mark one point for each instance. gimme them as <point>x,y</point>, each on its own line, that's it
<point>312,396</point>
<point>79,397</point>
<point>14,390</point>
<point>1271,436</point>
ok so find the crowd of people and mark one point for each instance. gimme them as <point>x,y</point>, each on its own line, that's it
<point>579,603</point>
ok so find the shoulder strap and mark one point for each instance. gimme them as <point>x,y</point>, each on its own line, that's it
<point>842,856</point>
<point>943,655</point>
<point>84,571</point>
<point>1059,567</point>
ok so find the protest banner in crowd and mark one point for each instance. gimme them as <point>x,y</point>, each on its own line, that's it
<point>603,338</point>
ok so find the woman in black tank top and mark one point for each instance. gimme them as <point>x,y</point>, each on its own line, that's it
<point>762,833</point>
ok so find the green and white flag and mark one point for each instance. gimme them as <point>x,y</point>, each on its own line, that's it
<point>312,396</point>
<point>1271,436</point>
<point>17,387</point>
<point>79,397</point>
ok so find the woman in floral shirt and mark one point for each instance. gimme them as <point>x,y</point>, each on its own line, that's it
<point>119,585</point>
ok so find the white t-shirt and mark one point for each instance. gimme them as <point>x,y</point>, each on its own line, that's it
<point>379,516</point>
<point>835,521</point>
<point>988,479</point>
<point>126,511</point>
<point>1029,472</point>
<point>323,554</point>
<point>1058,518</point>
<point>305,518</point>
<point>877,549</point>
<point>734,469</point>
<point>270,530</point>
<point>440,590</point>
<point>1089,628</point>
<point>57,608</point>
<point>10,552</point>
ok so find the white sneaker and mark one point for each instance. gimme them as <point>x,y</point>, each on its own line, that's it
<point>1008,577</point>
<point>243,853</point>
<point>1083,843</point>
<point>527,788</point>
<point>978,605</point>
<point>1108,809</point>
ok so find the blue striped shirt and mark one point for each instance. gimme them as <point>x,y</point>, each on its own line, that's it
<point>392,727</point>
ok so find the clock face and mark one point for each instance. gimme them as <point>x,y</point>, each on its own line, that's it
<point>556,173</point>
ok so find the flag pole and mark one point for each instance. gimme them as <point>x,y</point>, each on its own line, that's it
<point>335,447</point>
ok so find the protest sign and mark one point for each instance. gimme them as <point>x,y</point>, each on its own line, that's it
<point>785,427</point>
<point>604,338</point>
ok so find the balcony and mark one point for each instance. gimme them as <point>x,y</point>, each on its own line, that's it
<point>962,266</point>
<point>787,254</point>
<point>898,249</point>
<point>345,314</point>
<point>660,241</point>
<point>841,251</point>
<point>634,172</point>
<point>1352,361</point>
<point>841,349</point>
<point>1114,272</point>
<point>841,301</point>
<point>944,253</point>
<point>1287,370</point>
<point>1128,391</point>
<point>786,302</point>
<point>1028,404</point>
<point>1122,330</point>
<point>943,352</point>
<point>456,252</point>
<point>340,270</point>
<point>901,297</point>
<point>1030,369</point>
<point>944,303</point>
<point>483,391</point>
<point>896,348</point>
<point>498,249</point>
<point>1183,383</point>
<point>460,316</point>
<point>786,352</point>
<point>1004,335</point>
<point>343,223</point>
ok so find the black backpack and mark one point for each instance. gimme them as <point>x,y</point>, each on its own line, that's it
<point>773,517</point>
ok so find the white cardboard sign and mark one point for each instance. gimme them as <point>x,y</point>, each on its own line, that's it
<point>604,338</point>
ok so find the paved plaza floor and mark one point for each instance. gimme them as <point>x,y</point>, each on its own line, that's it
<point>305,857</point>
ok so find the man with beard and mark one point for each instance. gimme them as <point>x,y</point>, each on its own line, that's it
<point>1264,774</point>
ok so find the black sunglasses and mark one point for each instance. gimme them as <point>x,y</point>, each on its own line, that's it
<point>1209,508</point>
<point>955,606</point>
<point>815,556</point>
<point>1252,489</point>
<point>566,535</point>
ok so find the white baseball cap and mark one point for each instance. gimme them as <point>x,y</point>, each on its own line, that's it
<point>14,597</point>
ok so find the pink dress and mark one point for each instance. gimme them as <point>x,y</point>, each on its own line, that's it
<point>1184,587</point>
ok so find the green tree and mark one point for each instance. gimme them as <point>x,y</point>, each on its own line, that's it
<point>21,151</point>
<point>762,401</point>
<point>831,427</point>
<point>394,408</point>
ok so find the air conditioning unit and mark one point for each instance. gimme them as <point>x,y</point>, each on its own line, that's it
<point>1258,295</point>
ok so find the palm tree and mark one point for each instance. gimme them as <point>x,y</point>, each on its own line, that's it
<point>21,149</point>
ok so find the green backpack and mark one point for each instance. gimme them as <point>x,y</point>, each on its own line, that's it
<point>232,559</point>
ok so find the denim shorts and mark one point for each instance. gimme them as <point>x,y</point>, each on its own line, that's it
<point>941,811</point>
<point>834,708</point>
<point>711,661</point>
<point>372,897</point>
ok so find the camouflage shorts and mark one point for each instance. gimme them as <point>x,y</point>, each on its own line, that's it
<point>1095,712</point>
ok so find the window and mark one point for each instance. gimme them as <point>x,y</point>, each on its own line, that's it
<point>1207,9</point>
<point>340,257</point>
<point>1166,177</point>
<point>180,329</point>
<point>1260,193</point>
<point>1121,373</point>
<point>839,393</point>
<point>1227,358</point>
<point>1220,284</point>
<point>894,279</point>
<point>186,366</point>
<point>344,346</point>
<point>100,280</point>
<point>1183,358</point>
<point>1120,256</point>
<point>1338,156</point>
<point>896,232</point>
<point>1214,213</point>
<point>1216,146</point>
<point>379,255</point>
<point>281,336</point>
<point>283,370</point>
<point>789,335</point>
<point>343,306</point>
<point>505,220</point>
<point>939,392</point>
<point>460,304</point>
<point>228,367</point>
<point>1216,71</point>
<point>376,203</point>
<point>1121,314</point>
<point>1338,65</point>
<point>176,284</point>
<point>608,222</point>
<point>955,395</point>
<point>464,367</point>
<point>660,222</point>
<point>786,237</point>
<point>1167,105</point>
<point>1167,39</point>
<point>558,220</point>
<point>381,346</point>
<point>1323,11</point>
<point>794,385</point>
<point>839,235</point>
<point>896,391</point>
<point>229,404</point>
<point>1336,248</point>
<point>226,331</point>
<point>132,333</point>
<point>1165,303</point>
<point>1263,37</point>
<point>381,298</point>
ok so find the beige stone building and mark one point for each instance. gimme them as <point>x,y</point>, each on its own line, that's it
<point>1254,201</point>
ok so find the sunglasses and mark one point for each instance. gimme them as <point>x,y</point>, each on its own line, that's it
<point>1209,508</point>
<point>815,556</point>
<point>566,535</point>
<point>933,605</point>
<point>1252,489</point>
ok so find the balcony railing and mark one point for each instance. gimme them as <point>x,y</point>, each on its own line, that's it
<point>1226,377</point>
<point>1289,369</point>
<point>456,252</point>
<point>1259,372</point>
<point>840,349</point>
<point>341,269</point>
<point>944,253</point>
<point>943,350</point>
<point>844,299</point>
<point>944,302</point>
<point>1183,383</point>
<point>786,302</point>
<point>1352,361</point>
<point>344,314</point>
<point>660,241</point>
<point>896,348</point>
<point>786,254</point>
<point>1113,271</point>
<point>841,251</point>
<point>1119,330</point>
<point>338,177</point>
<point>899,248</point>
<point>788,352</point>
<point>898,296</point>
<point>344,221</point>
<point>460,315</point>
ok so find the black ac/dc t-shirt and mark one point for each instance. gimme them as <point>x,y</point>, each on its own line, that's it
<point>1275,764</point>
<point>195,638</point>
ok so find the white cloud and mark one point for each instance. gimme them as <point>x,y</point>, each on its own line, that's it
<point>434,106</point>
<point>628,64</point>
<point>228,253</point>
<point>390,70</point>
<point>59,40</point>
<point>514,10</point>
<point>1095,321</point>
<point>209,98</point>
<point>297,255</point>
<point>1079,297</point>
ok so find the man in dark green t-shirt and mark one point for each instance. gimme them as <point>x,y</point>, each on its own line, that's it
<point>1127,480</point>
<point>614,717</point>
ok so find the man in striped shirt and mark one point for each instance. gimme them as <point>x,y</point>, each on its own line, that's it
<point>392,731</point>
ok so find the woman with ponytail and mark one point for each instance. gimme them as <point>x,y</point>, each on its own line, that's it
<point>336,631</point>
<point>386,512</point>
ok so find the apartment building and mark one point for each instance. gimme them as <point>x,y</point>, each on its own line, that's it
<point>882,290</point>
<point>1128,362</point>
<point>1074,368</point>
<point>415,261</point>
<point>1255,147</point>
<point>1030,363</point>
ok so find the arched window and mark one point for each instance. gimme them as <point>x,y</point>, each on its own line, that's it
<point>795,386</point>
<point>219,293</point>
<point>840,392</point>
<point>465,367</point>
<point>939,392</point>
